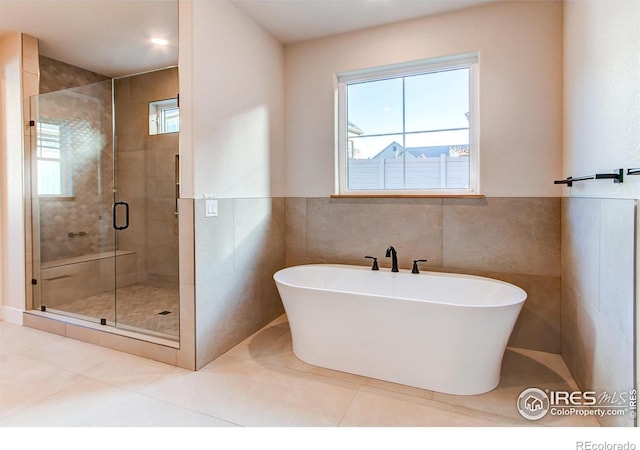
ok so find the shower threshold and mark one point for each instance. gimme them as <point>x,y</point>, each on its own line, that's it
<point>126,332</point>
<point>145,309</point>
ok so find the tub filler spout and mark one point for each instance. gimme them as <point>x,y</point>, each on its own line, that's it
<point>391,252</point>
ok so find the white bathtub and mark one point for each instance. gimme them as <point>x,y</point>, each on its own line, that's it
<point>438,331</point>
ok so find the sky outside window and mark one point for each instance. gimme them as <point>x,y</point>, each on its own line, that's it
<point>431,107</point>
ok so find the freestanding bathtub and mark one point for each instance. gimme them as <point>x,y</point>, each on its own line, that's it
<point>438,331</point>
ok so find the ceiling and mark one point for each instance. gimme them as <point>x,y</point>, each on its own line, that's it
<point>112,37</point>
<point>298,20</point>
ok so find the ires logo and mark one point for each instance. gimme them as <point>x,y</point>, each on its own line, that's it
<point>575,398</point>
<point>534,403</point>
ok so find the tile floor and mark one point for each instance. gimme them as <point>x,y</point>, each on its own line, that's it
<point>138,307</point>
<point>49,380</point>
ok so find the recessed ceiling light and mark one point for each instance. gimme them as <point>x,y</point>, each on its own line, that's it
<point>159,41</point>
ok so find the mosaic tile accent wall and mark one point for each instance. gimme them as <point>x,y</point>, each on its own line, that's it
<point>78,222</point>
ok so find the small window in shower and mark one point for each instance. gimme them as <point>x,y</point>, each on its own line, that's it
<point>164,116</point>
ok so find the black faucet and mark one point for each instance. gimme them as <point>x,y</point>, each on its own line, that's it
<point>391,252</point>
<point>375,262</point>
<point>415,265</point>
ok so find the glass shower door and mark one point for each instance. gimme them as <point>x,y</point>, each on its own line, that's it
<point>72,201</point>
<point>104,208</point>
<point>146,181</point>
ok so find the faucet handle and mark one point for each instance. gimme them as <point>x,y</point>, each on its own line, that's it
<point>375,262</point>
<point>415,265</point>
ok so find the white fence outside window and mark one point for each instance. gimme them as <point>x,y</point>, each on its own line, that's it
<point>440,172</point>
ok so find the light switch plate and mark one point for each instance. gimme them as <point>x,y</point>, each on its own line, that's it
<point>211,208</point>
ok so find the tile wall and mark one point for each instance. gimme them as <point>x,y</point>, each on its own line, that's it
<point>598,270</point>
<point>146,176</point>
<point>84,114</point>
<point>236,255</point>
<point>56,75</point>
<point>512,239</point>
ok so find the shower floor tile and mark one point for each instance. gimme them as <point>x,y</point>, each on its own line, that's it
<point>142,307</point>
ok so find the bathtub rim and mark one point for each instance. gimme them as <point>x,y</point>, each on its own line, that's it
<point>405,272</point>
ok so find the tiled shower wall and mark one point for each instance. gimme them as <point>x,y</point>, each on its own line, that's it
<point>56,75</point>
<point>512,239</point>
<point>598,250</point>
<point>146,176</point>
<point>84,114</point>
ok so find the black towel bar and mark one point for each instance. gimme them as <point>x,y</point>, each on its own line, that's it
<point>617,177</point>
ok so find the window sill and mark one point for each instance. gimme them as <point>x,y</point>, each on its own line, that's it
<point>435,195</point>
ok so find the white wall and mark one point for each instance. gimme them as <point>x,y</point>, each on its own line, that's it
<point>520,46</point>
<point>232,90</point>
<point>12,256</point>
<point>602,94</point>
<point>231,147</point>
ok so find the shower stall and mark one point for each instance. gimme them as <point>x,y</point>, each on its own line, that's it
<point>103,204</point>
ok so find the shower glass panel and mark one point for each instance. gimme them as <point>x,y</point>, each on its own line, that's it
<point>104,196</point>
<point>72,191</point>
<point>147,297</point>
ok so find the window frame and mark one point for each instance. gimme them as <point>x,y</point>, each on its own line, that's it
<point>343,79</point>
<point>158,115</point>
<point>62,159</point>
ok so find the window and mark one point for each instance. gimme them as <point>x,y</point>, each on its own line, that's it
<point>409,128</point>
<point>49,159</point>
<point>164,116</point>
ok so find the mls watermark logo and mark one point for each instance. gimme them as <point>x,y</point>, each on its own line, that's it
<point>533,404</point>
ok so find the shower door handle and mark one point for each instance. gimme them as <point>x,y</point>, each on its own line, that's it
<point>115,215</point>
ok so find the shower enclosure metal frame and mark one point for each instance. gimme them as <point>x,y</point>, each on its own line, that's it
<point>119,221</point>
